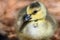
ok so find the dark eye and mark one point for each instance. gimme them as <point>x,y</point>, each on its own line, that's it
<point>34,12</point>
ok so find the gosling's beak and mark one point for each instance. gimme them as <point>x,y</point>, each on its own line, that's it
<point>27,17</point>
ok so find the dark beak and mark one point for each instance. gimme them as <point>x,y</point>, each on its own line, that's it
<point>26,17</point>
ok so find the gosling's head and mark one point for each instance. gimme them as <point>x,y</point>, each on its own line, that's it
<point>35,11</point>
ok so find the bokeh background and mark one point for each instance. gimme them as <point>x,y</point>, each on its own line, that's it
<point>8,15</point>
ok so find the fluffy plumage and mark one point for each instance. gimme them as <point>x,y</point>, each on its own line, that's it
<point>34,23</point>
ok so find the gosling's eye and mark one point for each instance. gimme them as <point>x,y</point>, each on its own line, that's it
<point>34,12</point>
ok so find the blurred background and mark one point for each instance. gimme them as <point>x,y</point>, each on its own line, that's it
<point>8,14</point>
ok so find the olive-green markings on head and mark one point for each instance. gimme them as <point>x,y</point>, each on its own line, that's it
<point>35,4</point>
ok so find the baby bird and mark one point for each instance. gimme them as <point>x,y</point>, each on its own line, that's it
<point>34,23</point>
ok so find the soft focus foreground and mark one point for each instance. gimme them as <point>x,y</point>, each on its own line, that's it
<point>8,14</point>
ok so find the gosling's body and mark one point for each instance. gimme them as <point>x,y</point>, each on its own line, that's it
<point>34,23</point>
<point>44,30</point>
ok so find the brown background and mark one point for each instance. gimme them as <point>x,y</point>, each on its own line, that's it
<point>8,12</point>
